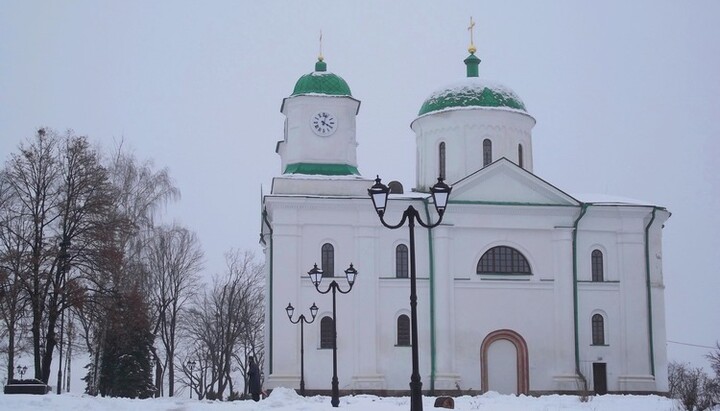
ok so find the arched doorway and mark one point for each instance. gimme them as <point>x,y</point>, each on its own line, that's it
<point>499,371</point>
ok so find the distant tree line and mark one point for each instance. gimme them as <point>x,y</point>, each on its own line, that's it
<point>85,265</point>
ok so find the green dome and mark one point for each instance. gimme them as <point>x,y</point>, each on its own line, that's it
<point>472,92</point>
<point>321,82</point>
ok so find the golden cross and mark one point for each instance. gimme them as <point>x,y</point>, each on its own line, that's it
<point>320,56</point>
<point>470,29</point>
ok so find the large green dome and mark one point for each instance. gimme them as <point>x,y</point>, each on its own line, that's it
<point>321,81</point>
<point>472,92</point>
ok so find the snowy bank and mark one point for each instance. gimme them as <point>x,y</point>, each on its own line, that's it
<point>287,400</point>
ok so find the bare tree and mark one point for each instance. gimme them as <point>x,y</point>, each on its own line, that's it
<point>223,323</point>
<point>713,388</point>
<point>58,198</point>
<point>174,259</point>
<point>32,176</point>
<point>140,191</point>
<point>13,251</point>
<point>714,358</point>
<point>84,210</point>
<point>692,387</point>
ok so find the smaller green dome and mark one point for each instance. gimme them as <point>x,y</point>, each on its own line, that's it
<point>472,92</point>
<point>321,81</point>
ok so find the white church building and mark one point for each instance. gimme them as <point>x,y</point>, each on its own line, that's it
<point>523,288</point>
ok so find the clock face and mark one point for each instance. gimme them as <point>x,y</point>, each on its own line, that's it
<point>323,123</point>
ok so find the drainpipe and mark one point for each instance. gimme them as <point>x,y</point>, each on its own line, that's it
<point>649,293</point>
<point>431,263</point>
<point>270,292</point>
<point>583,210</point>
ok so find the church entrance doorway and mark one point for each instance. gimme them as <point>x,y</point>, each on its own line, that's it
<point>504,363</point>
<point>600,378</point>
<point>502,367</point>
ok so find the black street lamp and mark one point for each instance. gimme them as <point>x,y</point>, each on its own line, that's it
<point>21,371</point>
<point>191,365</point>
<point>379,195</point>
<point>316,277</point>
<point>302,320</point>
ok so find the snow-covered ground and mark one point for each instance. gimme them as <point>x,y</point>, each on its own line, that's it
<point>287,400</point>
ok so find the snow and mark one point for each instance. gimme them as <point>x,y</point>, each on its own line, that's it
<point>300,176</point>
<point>604,199</point>
<point>470,86</point>
<point>283,399</point>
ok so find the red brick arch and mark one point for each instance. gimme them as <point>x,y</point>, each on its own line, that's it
<point>523,379</point>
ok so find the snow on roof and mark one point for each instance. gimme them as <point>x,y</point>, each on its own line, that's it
<point>605,199</point>
<point>472,92</point>
<point>470,85</point>
<point>323,177</point>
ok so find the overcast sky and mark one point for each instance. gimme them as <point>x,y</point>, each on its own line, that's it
<point>626,97</point>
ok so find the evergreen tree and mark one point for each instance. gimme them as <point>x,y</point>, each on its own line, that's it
<point>125,366</point>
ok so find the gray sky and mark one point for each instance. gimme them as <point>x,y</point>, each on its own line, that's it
<point>626,97</point>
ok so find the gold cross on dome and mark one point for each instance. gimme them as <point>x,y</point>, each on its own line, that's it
<point>470,28</point>
<point>320,56</point>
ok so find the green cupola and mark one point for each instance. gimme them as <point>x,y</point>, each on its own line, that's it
<point>320,128</point>
<point>472,92</point>
<point>321,82</point>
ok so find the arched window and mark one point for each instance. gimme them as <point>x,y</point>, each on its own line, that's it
<point>403,331</point>
<point>395,187</point>
<point>328,260</point>
<point>401,261</point>
<point>326,332</point>
<point>441,160</point>
<point>598,330</point>
<point>596,261</point>
<point>503,260</point>
<point>487,152</point>
<point>520,155</point>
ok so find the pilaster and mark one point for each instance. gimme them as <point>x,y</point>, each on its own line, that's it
<point>446,377</point>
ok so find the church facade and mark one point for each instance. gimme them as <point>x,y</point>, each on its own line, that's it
<point>523,288</point>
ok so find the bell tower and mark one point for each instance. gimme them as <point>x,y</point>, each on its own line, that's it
<point>319,126</point>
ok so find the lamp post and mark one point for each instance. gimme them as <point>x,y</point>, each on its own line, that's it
<point>191,365</point>
<point>21,371</point>
<point>302,320</point>
<point>379,195</point>
<point>316,277</point>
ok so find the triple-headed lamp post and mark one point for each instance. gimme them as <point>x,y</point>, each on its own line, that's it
<point>440,193</point>
<point>302,320</point>
<point>316,276</point>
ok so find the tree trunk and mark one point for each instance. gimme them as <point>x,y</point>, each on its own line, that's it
<point>171,374</point>
<point>50,340</point>
<point>68,364</point>
<point>37,312</point>
<point>11,352</point>
<point>158,375</point>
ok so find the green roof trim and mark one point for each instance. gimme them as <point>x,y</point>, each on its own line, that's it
<point>321,169</point>
<point>321,81</point>
<point>472,94</point>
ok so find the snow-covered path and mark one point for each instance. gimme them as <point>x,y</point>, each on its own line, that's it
<point>288,400</point>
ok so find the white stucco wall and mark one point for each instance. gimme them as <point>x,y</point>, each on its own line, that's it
<point>301,145</point>
<point>463,131</point>
<point>467,307</point>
